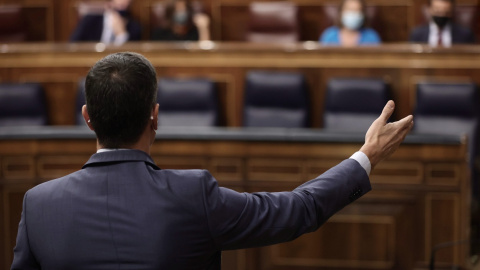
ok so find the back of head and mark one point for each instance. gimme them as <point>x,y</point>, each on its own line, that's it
<point>120,94</point>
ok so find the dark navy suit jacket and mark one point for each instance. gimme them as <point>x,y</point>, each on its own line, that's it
<point>460,35</point>
<point>122,212</point>
<point>90,28</point>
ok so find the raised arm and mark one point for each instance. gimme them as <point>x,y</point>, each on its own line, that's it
<point>241,220</point>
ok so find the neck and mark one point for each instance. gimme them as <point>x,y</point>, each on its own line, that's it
<point>143,144</point>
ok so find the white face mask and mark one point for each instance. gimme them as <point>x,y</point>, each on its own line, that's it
<point>352,20</point>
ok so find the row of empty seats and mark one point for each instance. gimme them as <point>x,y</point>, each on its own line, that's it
<point>279,99</point>
<point>273,99</point>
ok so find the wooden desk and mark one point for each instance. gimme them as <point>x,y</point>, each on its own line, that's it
<point>420,196</point>
<point>59,67</point>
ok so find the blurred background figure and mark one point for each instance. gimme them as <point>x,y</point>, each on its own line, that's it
<point>351,27</point>
<point>182,23</point>
<point>441,30</point>
<point>114,26</point>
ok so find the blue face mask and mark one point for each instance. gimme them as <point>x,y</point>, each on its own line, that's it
<point>352,20</point>
<point>180,17</point>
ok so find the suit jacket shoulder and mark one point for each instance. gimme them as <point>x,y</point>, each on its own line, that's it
<point>134,30</point>
<point>420,34</point>
<point>462,35</point>
<point>89,28</point>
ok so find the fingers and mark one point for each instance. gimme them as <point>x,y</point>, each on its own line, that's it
<point>387,111</point>
<point>405,122</point>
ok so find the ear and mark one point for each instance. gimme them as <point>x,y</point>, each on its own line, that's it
<point>86,117</point>
<point>155,117</point>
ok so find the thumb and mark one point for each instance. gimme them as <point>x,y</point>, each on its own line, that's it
<point>387,111</point>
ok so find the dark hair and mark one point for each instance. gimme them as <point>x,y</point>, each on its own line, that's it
<point>340,9</point>
<point>170,12</point>
<point>120,91</point>
<point>451,1</point>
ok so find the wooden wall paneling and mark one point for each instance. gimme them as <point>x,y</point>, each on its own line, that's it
<point>311,22</point>
<point>441,209</point>
<point>443,174</point>
<point>4,74</point>
<point>12,209</point>
<point>398,172</point>
<point>18,167</point>
<point>145,18</point>
<point>393,227</point>
<point>84,148</point>
<point>234,259</point>
<point>228,169</point>
<point>374,234</point>
<point>233,24</point>
<point>275,169</point>
<point>38,16</point>
<point>393,23</point>
<point>51,167</point>
<point>181,163</point>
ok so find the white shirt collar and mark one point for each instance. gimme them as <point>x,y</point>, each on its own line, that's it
<point>102,150</point>
<point>434,32</point>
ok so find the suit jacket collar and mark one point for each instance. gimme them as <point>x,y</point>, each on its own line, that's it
<point>120,156</point>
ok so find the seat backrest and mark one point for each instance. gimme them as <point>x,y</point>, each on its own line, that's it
<point>275,99</point>
<point>12,24</point>
<point>450,109</point>
<point>446,108</point>
<point>79,102</point>
<point>187,102</point>
<point>22,105</point>
<point>273,22</point>
<point>351,105</point>
<point>90,8</point>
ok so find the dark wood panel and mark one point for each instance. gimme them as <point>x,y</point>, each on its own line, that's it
<point>393,227</point>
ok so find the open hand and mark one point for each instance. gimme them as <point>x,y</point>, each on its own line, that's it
<point>382,138</point>
<point>119,24</point>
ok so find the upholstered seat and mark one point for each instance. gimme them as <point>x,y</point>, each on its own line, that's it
<point>275,99</point>
<point>273,22</point>
<point>22,104</point>
<point>351,105</point>
<point>187,102</point>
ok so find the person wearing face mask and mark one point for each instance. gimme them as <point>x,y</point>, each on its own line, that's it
<point>351,27</point>
<point>441,30</point>
<point>114,26</point>
<point>182,23</point>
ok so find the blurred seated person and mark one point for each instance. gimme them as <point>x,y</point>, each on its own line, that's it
<point>441,30</point>
<point>182,24</point>
<point>114,26</point>
<point>351,29</point>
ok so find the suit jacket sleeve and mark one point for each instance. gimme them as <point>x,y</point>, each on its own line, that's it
<point>419,34</point>
<point>134,31</point>
<point>79,32</point>
<point>23,257</point>
<point>242,220</point>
